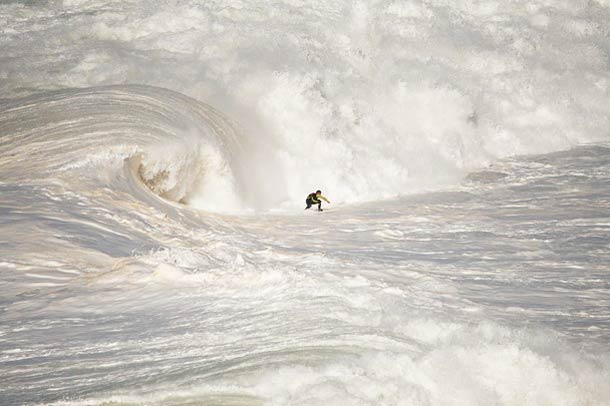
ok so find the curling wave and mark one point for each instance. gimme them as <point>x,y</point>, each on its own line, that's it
<point>365,100</point>
<point>183,150</point>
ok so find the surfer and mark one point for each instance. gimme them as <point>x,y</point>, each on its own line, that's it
<point>315,198</point>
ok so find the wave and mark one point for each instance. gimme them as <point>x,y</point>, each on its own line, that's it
<point>363,101</point>
<point>183,150</point>
<point>115,292</point>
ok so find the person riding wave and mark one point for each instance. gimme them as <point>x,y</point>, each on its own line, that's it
<point>315,198</point>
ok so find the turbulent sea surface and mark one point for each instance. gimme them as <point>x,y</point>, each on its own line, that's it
<point>154,161</point>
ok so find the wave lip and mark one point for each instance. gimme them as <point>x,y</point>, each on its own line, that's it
<point>365,101</point>
<point>183,150</point>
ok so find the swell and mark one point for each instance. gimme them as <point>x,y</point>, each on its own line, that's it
<point>175,145</point>
<point>365,101</point>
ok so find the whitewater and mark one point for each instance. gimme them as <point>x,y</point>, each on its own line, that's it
<point>154,161</point>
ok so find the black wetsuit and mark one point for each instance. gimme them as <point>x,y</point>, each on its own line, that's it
<point>312,200</point>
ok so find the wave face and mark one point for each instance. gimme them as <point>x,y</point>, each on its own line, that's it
<point>180,148</point>
<point>154,159</point>
<point>367,99</point>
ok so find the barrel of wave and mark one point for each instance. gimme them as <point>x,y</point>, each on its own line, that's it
<point>193,172</point>
<point>183,150</point>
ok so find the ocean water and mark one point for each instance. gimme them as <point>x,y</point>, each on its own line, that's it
<point>154,161</point>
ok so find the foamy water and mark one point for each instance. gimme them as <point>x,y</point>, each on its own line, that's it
<point>154,160</point>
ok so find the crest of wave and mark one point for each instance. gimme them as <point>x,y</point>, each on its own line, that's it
<point>361,99</point>
<point>84,139</point>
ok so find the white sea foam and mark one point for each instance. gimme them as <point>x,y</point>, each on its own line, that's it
<point>366,99</point>
<point>124,281</point>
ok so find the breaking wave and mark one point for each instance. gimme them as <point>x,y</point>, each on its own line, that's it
<point>183,150</point>
<point>365,101</point>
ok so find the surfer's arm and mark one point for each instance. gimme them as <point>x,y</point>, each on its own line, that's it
<point>325,199</point>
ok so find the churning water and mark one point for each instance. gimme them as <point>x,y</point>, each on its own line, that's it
<point>154,161</point>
